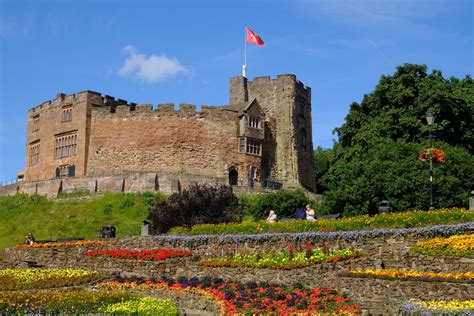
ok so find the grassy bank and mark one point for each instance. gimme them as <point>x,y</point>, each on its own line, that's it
<point>67,217</point>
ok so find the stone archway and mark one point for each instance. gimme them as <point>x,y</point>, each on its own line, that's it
<point>233,177</point>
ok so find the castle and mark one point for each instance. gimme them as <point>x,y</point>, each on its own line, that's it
<point>261,138</point>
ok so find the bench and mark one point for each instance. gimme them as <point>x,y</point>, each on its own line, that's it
<point>44,241</point>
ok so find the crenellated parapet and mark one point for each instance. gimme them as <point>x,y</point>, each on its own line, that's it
<point>263,133</point>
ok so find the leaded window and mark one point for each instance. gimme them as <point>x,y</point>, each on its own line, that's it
<point>65,145</point>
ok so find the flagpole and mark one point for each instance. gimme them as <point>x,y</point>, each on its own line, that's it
<point>244,66</point>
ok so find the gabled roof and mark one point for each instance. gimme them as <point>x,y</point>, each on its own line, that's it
<point>245,106</point>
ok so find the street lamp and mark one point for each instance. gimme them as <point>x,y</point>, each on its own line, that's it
<point>430,120</point>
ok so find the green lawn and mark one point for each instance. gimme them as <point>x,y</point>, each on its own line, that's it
<point>66,217</point>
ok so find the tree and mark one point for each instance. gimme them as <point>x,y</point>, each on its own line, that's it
<point>376,156</point>
<point>397,107</point>
<point>391,171</point>
<point>322,161</point>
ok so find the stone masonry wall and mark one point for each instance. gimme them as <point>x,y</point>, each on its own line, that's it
<point>50,124</point>
<point>378,297</point>
<point>129,182</point>
<point>181,142</point>
<point>116,137</point>
<point>287,102</point>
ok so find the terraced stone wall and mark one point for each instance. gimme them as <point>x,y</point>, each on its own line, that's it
<point>378,297</point>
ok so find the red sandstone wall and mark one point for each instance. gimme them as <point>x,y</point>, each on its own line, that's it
<point>51,124</point>
<point>183,141</point>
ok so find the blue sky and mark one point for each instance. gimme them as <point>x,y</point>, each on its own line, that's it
<point>185,51</point>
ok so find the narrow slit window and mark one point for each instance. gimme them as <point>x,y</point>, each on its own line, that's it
<point>67,113</point>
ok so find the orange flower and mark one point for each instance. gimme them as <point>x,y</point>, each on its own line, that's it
<point>436,155</point>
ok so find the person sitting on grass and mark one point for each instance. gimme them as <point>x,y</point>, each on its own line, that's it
<point>30,239</point>
<point>272,217</point>
<point>309,213</point>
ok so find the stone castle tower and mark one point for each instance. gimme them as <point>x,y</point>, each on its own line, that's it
<point>261,138</point>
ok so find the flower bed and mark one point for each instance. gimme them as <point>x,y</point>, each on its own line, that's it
<point>438,307</point>
<point>73,302</point>
<point>80,243</point>
<point>457,245</point>
<point>142,305</point>
<point>251,298</point>
<point>394,220</point>
<point>408,275</point>
<point>44,278</point>
<point>146,255</point>
<point>429,231</point>
<point>283,260</point>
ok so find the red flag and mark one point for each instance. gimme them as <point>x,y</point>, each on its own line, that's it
<point>254,38</point>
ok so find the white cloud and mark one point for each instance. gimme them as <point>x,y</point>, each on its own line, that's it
<point>151,69</point>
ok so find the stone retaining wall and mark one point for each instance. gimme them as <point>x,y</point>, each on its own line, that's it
<point>393,251</point>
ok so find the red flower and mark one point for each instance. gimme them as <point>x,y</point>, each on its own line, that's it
<point>436,155</point>
<point>146,255</point>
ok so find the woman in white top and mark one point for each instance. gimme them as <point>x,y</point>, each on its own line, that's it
<point>272,217</point>
<point>309,213</point>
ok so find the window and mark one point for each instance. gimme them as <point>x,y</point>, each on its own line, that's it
<point>253,146</point>
<point>250,146</point>
<point>253,121</point>
<point>34,153</point>
<point>242,145</point>
<point>65,145</point>
<point>67,113</point>
<point>35,125</point>
<point>65,171</point>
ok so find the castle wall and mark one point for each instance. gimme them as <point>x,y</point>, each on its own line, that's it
<point>49,125</point>
<point>287,105</point>
<point>181,142</point>
<point>113,137</point>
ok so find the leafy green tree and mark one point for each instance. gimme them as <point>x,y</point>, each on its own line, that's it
<point>391,171</point>
<point>379,142</point>
<point>283,202</point>
<point>397,107</point>
<point>322,161</point>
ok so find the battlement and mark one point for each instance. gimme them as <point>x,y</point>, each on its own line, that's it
<point>279,78</point>
<point>165,109</point>
<point>227,141</point>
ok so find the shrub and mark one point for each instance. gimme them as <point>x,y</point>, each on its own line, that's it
<point>199,204</point>
<point>283,202</point>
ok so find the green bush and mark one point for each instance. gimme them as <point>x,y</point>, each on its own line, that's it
<point>199,204</point>
<point>283,202</point>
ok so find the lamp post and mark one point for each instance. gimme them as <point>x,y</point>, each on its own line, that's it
<point>430,120</point>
